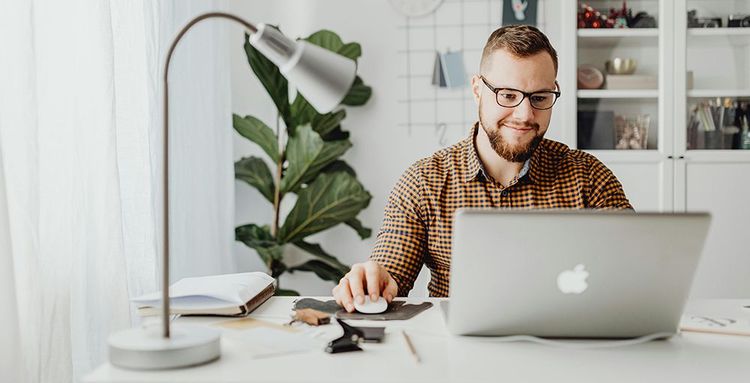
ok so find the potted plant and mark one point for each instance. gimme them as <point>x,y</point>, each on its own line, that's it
<point>308,165</point>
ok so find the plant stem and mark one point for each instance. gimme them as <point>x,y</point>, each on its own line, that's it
<point>277,182</point>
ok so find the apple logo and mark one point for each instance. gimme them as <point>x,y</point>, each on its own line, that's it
<point>573,281</point>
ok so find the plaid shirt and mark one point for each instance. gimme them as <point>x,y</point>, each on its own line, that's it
<point>418,223</point>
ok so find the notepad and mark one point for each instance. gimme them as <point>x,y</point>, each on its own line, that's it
<point>716,325</point>
<point>448,70</point>
<point>226,295</point>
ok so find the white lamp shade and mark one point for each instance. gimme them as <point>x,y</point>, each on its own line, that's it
<point>323,77</point>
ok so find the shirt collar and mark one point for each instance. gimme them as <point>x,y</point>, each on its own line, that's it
<point>474,167</point>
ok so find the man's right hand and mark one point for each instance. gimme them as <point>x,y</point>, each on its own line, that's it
<point>365,278</point>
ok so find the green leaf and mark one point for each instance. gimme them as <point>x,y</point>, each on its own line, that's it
<point>271,78</point>
<point>337,134</point>
<point>302,113</point>
<point>256,131</point>
<point>285,293</point>
<point>277,268</point>
<point>362,231</point>
<point>260,239</point>
<point>308,154</point>
<point>351,50</point>
<point>315,250</point>
<point>326,39</point>
<point>358,94</point>
<point>339,166</point>
<point>321,269</point>
<point>331,41</point>
<point>329,200</point>
<point>255,172</point>
<point>326,123</point>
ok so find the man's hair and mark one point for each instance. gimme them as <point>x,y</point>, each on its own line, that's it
<point>519,40</point>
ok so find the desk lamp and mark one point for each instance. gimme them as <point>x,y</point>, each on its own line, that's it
<point>324,78</point>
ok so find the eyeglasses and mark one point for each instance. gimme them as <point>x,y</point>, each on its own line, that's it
<point>511,98</point>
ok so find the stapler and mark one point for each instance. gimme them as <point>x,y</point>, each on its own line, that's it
<point>347,342</point>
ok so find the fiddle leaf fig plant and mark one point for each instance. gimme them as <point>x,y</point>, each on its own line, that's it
<point>307,165</point>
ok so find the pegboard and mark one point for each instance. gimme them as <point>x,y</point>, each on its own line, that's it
<point>457,25</point>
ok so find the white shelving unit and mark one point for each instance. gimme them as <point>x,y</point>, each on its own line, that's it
<point>669,177</point>
<point>648,47</point>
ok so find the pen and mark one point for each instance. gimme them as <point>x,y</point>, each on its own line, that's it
<point>410,345</point>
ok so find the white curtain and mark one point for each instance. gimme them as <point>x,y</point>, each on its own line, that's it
<point>9,355</point>
<point>80,149</point>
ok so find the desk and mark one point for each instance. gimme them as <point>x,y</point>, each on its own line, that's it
<point>689,357</point>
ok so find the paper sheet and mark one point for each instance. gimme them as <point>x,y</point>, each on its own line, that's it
<point>265,342</point>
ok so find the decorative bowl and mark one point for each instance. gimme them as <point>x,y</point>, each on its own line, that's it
<point>620,66</point>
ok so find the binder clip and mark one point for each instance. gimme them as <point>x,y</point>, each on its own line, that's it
<point>347,342</point>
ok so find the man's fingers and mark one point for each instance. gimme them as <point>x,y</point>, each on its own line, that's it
<point>391,288</point>
<point>337,294</point>
<point>356,284</point>
<point>374,281</point>
<point>345,295</point>
<point>365,278</point>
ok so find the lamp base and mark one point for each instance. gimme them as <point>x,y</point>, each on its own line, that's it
<point>146,349</point>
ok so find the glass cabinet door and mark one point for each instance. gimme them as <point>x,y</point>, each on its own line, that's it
<point>717,83</point>
<point>618,95</point>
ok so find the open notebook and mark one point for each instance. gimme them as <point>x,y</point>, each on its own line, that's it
<point>228,294</point>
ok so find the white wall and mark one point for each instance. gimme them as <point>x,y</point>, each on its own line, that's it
<point>382,150</point>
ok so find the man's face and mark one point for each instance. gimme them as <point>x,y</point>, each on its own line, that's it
<point>515,132</point>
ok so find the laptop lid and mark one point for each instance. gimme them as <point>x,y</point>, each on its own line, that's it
<point>582,273</point>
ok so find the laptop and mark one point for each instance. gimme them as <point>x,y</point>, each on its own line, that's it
<point>571,274</point>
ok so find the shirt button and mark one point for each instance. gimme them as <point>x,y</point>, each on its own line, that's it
<point>504,193</point>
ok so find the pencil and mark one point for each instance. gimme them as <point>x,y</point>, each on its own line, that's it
<point>410,345</point>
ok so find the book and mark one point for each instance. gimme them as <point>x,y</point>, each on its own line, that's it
<point>631,81</point>
<point>224,295</point>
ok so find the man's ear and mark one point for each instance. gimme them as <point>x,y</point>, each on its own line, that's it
<point>476,87</point>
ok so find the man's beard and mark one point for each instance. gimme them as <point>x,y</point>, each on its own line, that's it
<point>508,151</point>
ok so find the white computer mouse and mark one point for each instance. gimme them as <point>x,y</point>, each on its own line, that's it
<point>371,307</point>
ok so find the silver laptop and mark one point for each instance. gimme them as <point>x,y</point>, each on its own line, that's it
<point>571,274</point>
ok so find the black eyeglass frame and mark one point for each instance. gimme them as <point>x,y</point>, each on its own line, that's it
<point>525,95</point>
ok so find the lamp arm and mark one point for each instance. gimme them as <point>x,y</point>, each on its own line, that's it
<point>165,252</point>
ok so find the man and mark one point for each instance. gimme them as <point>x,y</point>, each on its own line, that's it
<point>505,162</point>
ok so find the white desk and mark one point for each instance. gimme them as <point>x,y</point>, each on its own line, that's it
<point>690,357</point>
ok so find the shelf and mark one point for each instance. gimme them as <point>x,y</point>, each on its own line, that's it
<point>627,156</point>
<point>618,93</point>
<point>653,156</point>
<point>700,37</point>
<point>699,93</point>
<point>718,32</point>
<point>635,37</point>
<point>620,32</point>
<point>717,156</point>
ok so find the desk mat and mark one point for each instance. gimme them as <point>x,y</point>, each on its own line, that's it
<point>397,310</point>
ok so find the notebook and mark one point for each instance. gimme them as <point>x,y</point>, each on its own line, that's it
<point>225,295</point>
